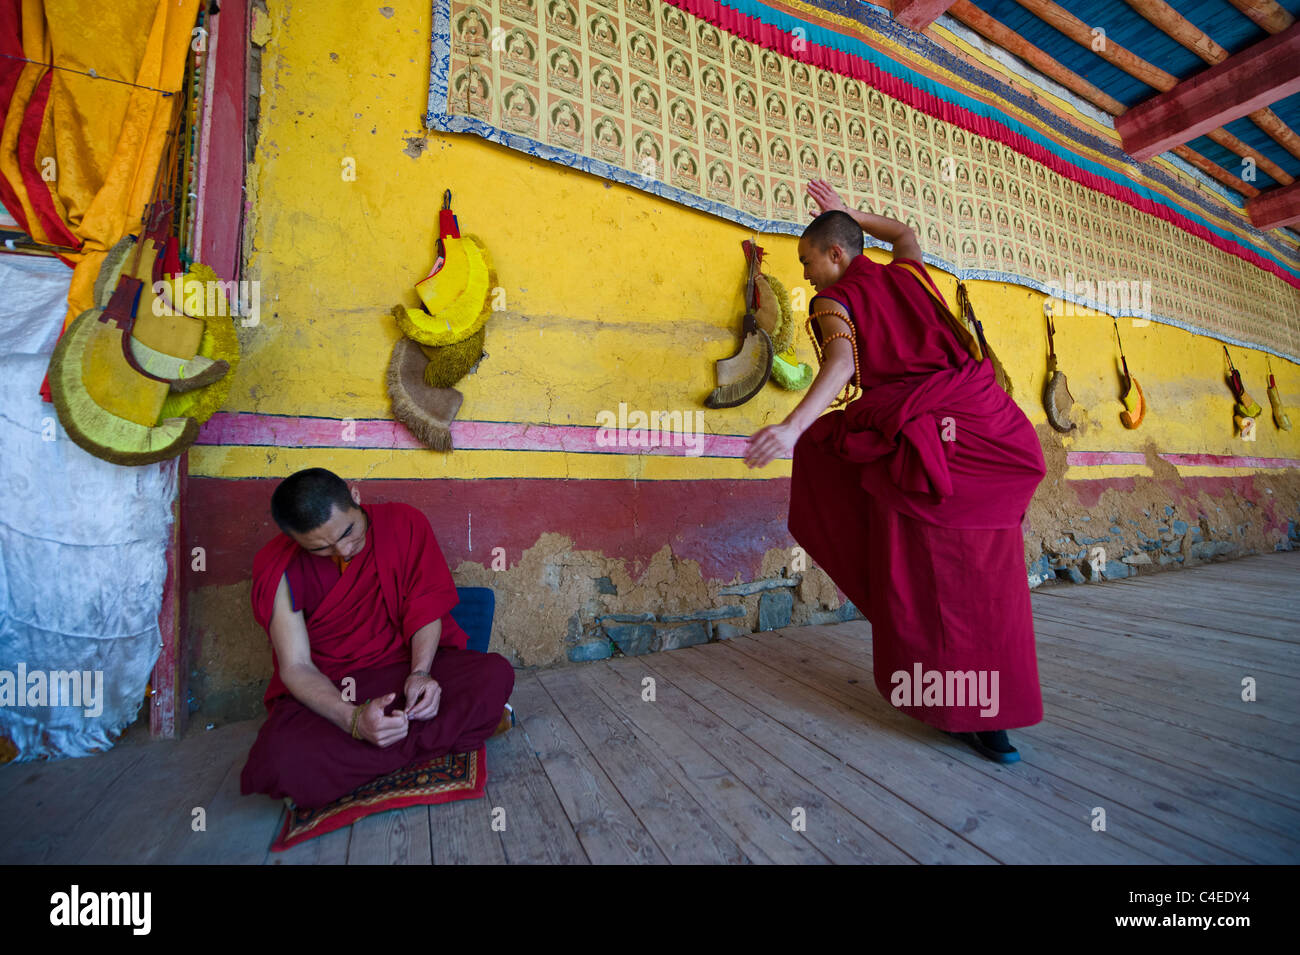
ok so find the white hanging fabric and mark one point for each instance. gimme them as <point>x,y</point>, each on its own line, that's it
<point>82,549</point>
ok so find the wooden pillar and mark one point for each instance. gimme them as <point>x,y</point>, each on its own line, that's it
<point>169,697</point>
<point>219,214</point>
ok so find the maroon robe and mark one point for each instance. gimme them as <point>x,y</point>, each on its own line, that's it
<point>912,500</point>
<point>360,622</point>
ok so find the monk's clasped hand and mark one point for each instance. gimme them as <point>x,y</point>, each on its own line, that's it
<point>767,444</point>
<point>423,694</point>
<point>376,727</point>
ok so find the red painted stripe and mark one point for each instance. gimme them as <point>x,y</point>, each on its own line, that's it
<point>29,165</point>
<point>848,64</point>
<point>11,67</point>
<point>725,525</point>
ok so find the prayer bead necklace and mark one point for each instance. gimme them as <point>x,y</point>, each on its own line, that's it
<point>853,389</point>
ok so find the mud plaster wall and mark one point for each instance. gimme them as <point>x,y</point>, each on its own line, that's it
<point>1144,524</point>
<point>617,296</point>
<point>663,548</point>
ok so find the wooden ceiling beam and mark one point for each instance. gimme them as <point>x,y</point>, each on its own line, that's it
<point>1282,134</point>
<point>919,14</point>
<point>1177,27</point>
<point>1276,207</point>
<point>1113,53</point>
<point>1245,151</point>
<point>1201,104</point>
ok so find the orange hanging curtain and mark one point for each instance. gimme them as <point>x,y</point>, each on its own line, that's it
<point>81,142</point>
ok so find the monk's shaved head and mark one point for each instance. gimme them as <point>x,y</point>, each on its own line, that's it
<point>304,501</point>
<point>835,228</point>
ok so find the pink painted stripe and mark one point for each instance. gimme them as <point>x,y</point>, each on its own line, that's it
<point>1094,458</point>
<point>1085,458</point>
<point>1230,461</point>
<point>261,430</point>
<point>234,429</point>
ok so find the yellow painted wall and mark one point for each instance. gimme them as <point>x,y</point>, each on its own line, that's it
<point>613,294</point>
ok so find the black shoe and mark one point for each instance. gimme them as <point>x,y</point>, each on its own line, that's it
<point>992,745</point>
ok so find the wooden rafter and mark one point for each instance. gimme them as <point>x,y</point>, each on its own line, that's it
<point>1011,41</point>
<point>996,32</point>
<point>1265,13</point>
<point>1176,26</point>
<point>1214,171</point>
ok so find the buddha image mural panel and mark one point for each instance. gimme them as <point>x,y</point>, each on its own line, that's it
<point>644,92</point>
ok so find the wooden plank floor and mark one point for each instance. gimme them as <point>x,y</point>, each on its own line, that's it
<point>1142,684</point>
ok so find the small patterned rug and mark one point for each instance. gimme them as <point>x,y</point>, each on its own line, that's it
<point>442,779</point>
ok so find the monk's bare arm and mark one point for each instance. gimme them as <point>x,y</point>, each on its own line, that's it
<point>308,685</point>
<point>900,237</point>
<point>778,440</point>
<point>898,234</point>
<point>836,369</point>
<point>423,693</point>
<point>424,644</point>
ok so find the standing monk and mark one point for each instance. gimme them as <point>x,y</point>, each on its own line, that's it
<point>351,594</point>
<point>912,497</point>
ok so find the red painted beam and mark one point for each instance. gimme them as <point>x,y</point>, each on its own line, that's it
<point>919,14</point>
<point>725,525</point>
<point>220,185</point>
<point>1275,207</point>
<point>1250,80</point>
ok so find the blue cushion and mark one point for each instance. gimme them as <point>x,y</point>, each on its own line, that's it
<point>474,614</point>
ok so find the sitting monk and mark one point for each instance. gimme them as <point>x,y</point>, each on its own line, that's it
<point>370,672</point>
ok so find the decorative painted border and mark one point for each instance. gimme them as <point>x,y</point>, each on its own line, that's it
<point>748,18</point>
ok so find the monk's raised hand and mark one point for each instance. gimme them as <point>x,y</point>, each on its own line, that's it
<point>825,197</point>
<point>379,729</point>
<point>767,444</point>
<point>423,694</point>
